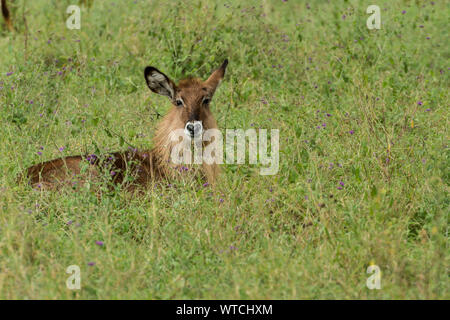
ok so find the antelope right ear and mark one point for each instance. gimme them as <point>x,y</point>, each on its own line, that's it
<point>159,83</point>
<point>217,76</point>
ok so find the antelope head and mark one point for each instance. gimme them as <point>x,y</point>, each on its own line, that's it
<point>190,98</point>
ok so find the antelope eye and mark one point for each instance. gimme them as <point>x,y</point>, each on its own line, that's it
<point>179,103</point>
<point>206,101</point>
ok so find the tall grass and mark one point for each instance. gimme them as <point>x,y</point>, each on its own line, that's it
<point>363,179</point>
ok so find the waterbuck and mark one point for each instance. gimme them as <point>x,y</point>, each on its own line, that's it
<point>190,113</point>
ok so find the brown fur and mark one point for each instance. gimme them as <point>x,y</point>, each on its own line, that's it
<point>145,167</point>
<point>7,16</point>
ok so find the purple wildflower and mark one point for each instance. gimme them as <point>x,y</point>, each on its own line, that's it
<point>99,243</point>
<point>91,158</point>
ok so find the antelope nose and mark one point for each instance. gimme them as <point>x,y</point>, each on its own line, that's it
<point>194,129</point>
<point>190,128</point>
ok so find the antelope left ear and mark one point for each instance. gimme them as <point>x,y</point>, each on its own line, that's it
<point>215,78</point>
<point>159,83</point>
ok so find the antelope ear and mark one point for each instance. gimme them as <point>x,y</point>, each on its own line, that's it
<point>159,83</point>
<point>217,76</point>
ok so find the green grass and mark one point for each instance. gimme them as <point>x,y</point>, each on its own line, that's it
<point>287,236</point>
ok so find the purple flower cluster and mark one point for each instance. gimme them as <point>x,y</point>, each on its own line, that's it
<point>91,158</point>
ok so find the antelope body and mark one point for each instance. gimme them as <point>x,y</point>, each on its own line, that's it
<point>190,111</point>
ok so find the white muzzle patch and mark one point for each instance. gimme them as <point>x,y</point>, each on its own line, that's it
<point>193,129</point>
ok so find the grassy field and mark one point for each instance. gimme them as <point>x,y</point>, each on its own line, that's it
<point>364,170</point>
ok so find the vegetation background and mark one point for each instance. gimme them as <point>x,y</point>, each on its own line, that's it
<point>363,179</point>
